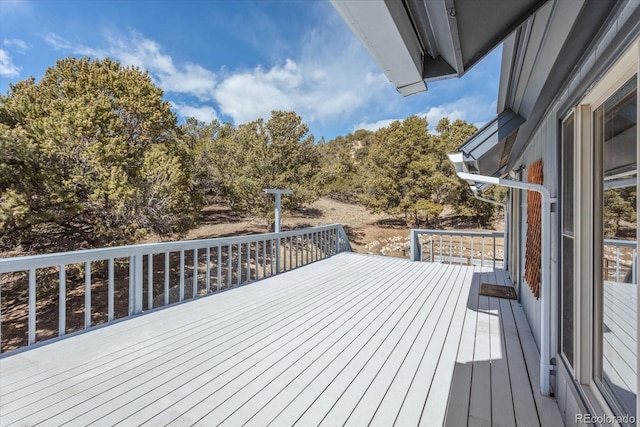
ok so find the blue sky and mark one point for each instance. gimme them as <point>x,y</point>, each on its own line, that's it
<point>237,60</point>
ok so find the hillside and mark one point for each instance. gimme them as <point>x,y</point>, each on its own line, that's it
<point>379,234</point>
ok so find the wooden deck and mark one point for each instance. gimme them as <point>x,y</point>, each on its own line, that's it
<point>351,340</point>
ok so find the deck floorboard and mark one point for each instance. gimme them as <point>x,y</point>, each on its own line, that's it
<point>351,340</point>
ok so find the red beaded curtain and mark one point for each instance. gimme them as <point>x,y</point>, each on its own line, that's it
<point>534,230</point>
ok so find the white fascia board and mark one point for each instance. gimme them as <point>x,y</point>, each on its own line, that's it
<point>557,29</point>
<point>458,161</point>
<point>412,88</point>
<point>506,68</point>
<point>385,30</point>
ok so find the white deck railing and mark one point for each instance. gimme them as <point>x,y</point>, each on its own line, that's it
<point>458,247</point>
<point>157,273</point>
<point>620,259</point>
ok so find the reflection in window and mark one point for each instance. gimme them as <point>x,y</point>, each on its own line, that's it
<point>615,128</point>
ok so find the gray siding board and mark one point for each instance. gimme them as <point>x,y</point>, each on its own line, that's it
<point>543,146</point>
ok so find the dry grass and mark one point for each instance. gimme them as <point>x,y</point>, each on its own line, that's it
<point>378,234</point>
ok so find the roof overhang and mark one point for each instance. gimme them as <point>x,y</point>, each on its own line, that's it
<point>461,167</point>
<point>487,152</point>
<point>538,59</point>
<point>416,41</point>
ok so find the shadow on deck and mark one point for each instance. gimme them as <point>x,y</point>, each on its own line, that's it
<point>496,376</point>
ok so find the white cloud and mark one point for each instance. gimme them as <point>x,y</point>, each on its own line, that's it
<point>138,51</point>
<point>192,80</point>
<point>189,79</point>
<point>329,78</point>
<point>7,67</point>
<point>471,109</point>
<point>20,45</point>
<point>60,43</point>
<point>332,82</point>
<point>373,126</point>
<point>204,113</point>
<point>246,96</point>
<point>436,113</point>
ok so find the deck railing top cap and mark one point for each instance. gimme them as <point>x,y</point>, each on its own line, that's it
<point>39,261</point>
<point>487,233</point>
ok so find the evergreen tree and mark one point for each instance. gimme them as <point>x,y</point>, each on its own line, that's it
<point>89,155</point>
<point>259,155</point>
<point>398,168</point>
<point>619,205</point>
<point>339,177</point>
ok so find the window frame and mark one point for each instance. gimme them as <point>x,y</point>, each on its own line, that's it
<point>585,227</point>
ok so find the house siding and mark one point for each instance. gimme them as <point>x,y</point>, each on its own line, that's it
<point>544,144</point>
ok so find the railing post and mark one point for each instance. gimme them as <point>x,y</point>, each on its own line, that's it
<point>87,294</point>
<point>471,259</point>
<point>248,261</point>
<point>494,253</point>
<point>219,269</point>
<point>617,263</point>
<point>167,270</point>
<point>278,255</point>
<point>110,290</point>
<point>32,306</point>
<point>207,280</point>
<point>415,249</point>
<point>182,284</point>
<point>634,264</point>
<point>149,281</point>
<point>272,266</point>
<point>230,267</point>
<point>194,279</point>
<point>239,266</point>
<point>431,247</point>
<point>135,284</point>
<point>62,300</point>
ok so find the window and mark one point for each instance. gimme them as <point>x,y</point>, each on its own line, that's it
<point>615,288</point>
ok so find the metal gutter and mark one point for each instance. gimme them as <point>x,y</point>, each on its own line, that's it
<point>545,287</point>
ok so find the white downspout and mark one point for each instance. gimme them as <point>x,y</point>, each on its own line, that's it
<point>545,286</point>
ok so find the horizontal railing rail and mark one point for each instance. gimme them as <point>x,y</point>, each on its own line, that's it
<point>620,260</point>
<point>137,278</point>
<point>458,247</point>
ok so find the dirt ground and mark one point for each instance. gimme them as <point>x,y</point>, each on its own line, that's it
<point>378,234</point>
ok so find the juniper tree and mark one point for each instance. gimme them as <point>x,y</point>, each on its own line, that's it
<point>89,155</point>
